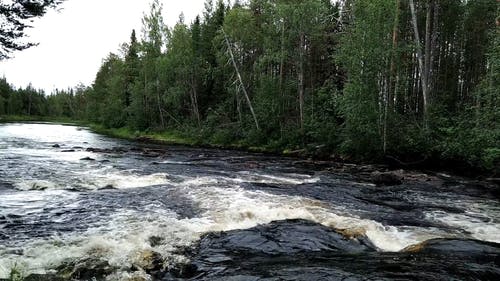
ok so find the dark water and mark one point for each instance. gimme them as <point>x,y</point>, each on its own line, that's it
<point>76,205</point>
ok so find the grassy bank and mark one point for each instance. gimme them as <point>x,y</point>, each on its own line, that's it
<point>177,137</point>
<point>165,137</point>
<point>198,138</point>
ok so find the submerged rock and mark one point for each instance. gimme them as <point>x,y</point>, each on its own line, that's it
<point>149,261</point>
<point>107,187</point>
<point>386,178</point>
<point>87,159</point>
<point>43,277</point>
<point>155,241</point>
<point>87,269</point>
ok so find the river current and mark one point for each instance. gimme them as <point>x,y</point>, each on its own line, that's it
<point>70,197</point>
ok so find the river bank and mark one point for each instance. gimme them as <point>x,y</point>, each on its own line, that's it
<point>192,138</point>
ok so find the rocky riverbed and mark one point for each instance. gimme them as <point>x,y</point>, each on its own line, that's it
<point>78,206</point>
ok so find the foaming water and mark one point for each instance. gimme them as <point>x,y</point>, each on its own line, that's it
<point>476,225</point>
<point>61,203</point>
<point>236,208</point>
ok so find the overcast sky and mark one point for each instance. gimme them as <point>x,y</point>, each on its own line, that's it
<point>74,40</point>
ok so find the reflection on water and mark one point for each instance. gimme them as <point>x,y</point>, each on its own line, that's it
<point>69,194</point>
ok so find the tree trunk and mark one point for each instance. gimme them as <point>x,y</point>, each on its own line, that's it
<point>194,97</point>
<point>300,78</point>
<point>421,65</point>
<point>392,88</point>
<point>241,80</point>
<point>162,121</point>
<point>428,33</point>
<point>282,59</point>
<point>145,102</point>
<point>433,45</point>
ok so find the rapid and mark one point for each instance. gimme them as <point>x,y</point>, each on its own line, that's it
<point>75,205</point>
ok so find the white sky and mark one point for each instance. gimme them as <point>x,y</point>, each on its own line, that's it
<point>74,40</point>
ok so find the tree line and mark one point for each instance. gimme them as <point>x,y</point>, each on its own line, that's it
<point>410,79</point>
<point>36,103</point>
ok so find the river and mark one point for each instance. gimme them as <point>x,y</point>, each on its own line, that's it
<point>75,205</point>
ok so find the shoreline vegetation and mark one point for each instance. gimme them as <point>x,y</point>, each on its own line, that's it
<point>412,85</point>
<point>172,137</point>
<point>313,154</point>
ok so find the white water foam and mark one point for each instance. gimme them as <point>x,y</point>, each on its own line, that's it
<point>122,239</point>
<point>236,208</point>
<point>477,224</point>
<point>97,179</point>
<point>122,242</point>
<point>294,179</point>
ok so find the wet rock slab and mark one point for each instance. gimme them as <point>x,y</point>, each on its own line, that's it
<point>302,250</point>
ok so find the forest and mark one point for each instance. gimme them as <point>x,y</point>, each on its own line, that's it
<point>411,81</point>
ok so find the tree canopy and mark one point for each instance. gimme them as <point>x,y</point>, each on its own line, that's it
<point>360,79</point>
<point>15,17</point>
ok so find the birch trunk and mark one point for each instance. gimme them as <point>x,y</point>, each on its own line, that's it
<point>241,80</point>
<point>392,88</point>
<point>194,97</point>
<point>421,65</point>
<point>301,79</point>
<point>159,103</point>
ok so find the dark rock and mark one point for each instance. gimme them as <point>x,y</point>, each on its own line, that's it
<point>43,277</point>
<point>457,247</point>
<point>186,271</point>
<point>494,180</point>
<point>96,150</point>
<point>77,147</point>
<point>118,150</point>
<point>136,149</point>
<point>56,146</point>
<point>114,150</point>
<point>107,187</point>
<point>68,150</point>
<point>150,261</point>
<point>87,159</point>
<point>144,139</point>
<point>285,237</point>
<point>155,241</point>
<point>88,269</point>
<point>5,185</point>
<point>173,178</point>
<point>242,252</point>
<point>386,178</point>
<point>302,250</point>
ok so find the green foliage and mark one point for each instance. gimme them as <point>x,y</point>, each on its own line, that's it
<point>321,76</point>
<point>17,16</point>
<point>475,136</point>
